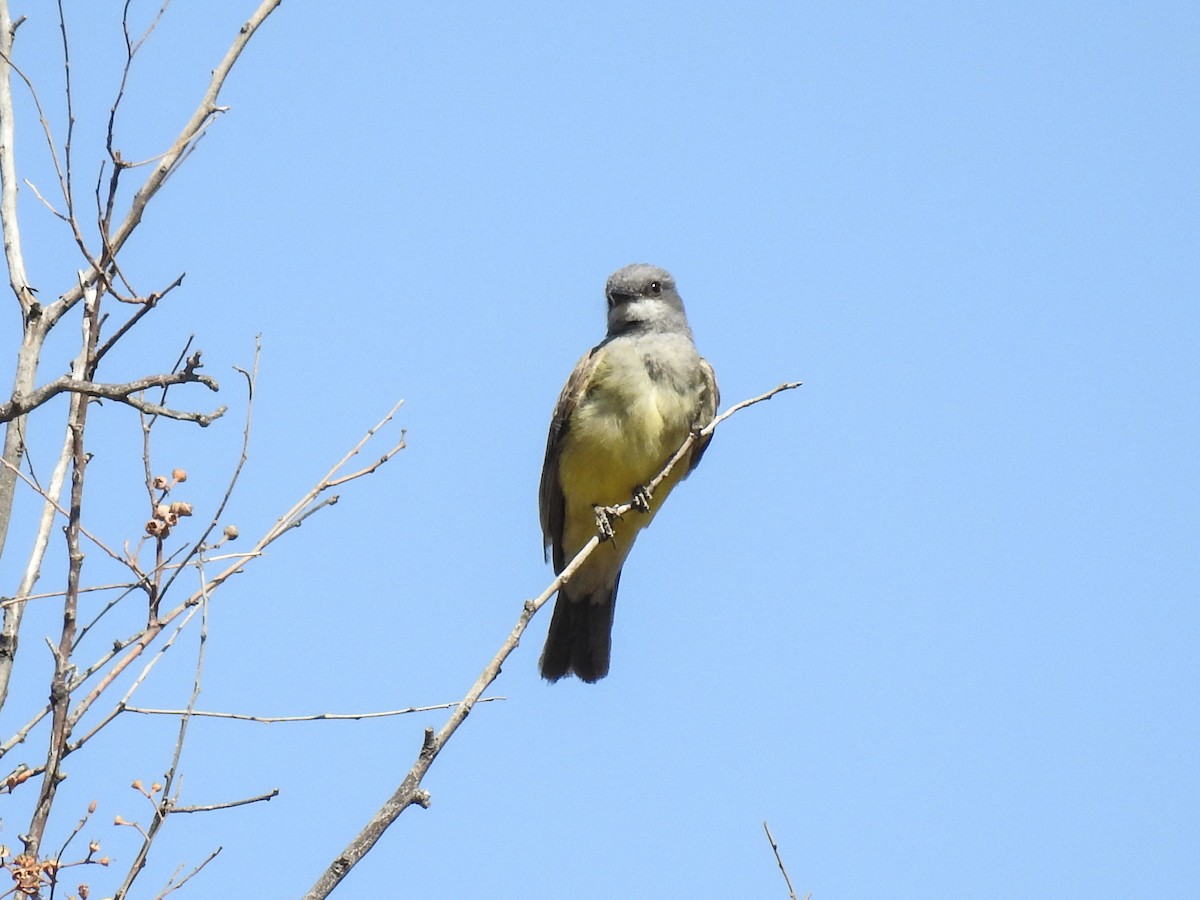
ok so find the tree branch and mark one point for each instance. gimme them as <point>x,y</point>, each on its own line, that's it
<point>228,804</point>
<point>315,717</point>
<point>178,151</point>
<point>13,253</point>
<point>410,791</point>
<point>60,693</point>
<point>122,393</point>
<point>779,859</point>
<point>174,885</point>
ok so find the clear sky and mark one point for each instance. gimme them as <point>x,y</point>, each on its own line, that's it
<point>933,616</point>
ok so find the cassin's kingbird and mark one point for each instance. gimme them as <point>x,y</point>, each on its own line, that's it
<point>626,408</point>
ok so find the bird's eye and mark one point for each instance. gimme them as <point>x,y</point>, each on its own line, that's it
<point>655,288</point>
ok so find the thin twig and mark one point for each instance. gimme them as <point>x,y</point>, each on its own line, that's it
<point>79,826</point>
<point>316,717</point>
<point>123,586</point>
<point>106,609</point>
<point>173,885</point>
<point>410,792</point>
<point>68,193</point>
<point>153,583</point>
<point>779,859</point>
<point>228,804</point>
<point>46,203</point>
<point>131,49</point>
<point>251,378</point>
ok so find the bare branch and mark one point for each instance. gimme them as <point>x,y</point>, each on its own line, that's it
<point>13,253</point>
<point>367,470</point>
<point>170,161</point>
<point>49,595</point>
<point>135,46</point>
<point>410,791</point>
<point>131,49</point>
<point>316,717</point>
<point>330,481</point>
<point>251,379</point>
<point>79,826</point>
<point>21,733</point>
<point>123,393</point>
<point>60,695</point>
<point>228,804</point>
<point>46,203</point>
<point>173,885</point>
<point>65,179</point>
<point>14,609</point>
<point>125,591</point>
<point>779,859</point>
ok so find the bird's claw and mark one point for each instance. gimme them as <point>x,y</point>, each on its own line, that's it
<point>641,499</point>
<point>605,516</point>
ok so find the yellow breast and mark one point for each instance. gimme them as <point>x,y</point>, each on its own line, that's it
<point>632,417</point>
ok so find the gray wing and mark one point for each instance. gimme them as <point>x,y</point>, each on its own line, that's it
<point>708,410</point>
<point>551,504</point>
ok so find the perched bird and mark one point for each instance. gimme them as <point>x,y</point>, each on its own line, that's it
<point>628,406</point>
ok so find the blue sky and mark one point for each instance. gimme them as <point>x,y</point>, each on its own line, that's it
<point>933,615</point>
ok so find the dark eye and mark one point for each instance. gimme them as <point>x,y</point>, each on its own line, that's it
<point>655,288</point>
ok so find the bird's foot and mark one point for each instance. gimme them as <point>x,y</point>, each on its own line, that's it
<point>605,516</point>
<point>641,499</point>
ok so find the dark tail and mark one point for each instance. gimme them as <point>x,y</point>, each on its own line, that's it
<point>580,638</point>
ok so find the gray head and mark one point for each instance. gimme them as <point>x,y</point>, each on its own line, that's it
<point>643,298</point>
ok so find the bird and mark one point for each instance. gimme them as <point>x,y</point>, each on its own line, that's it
<point>627,407</point>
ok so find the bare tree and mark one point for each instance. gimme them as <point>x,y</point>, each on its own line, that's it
<point>100,303</point>
<point>165,578</point>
